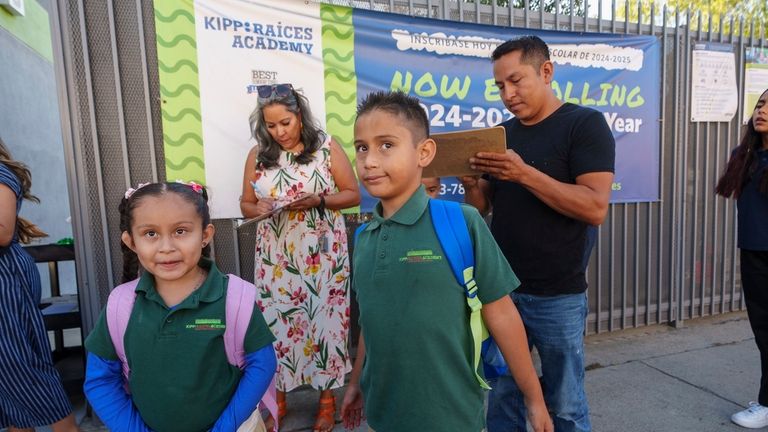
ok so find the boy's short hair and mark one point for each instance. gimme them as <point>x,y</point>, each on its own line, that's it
<point>399,104</point>
<point>432,182</point>
<point>533,50</point>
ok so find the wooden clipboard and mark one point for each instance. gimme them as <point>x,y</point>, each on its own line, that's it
<point>455,148</point>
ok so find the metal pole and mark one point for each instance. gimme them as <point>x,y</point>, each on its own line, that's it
<point>118,92</point>
<point>624,264</point>
<point>649,240</point>
<point>526,14</point>
<point>726,207</point>
<point>636,266</point>
<point>734,255</point>
<point>236,247</point>
<point>145,87</point>
<point>611,264</point>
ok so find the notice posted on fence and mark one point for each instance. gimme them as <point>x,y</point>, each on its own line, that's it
<point>755,78</point>
<point>714,95</point>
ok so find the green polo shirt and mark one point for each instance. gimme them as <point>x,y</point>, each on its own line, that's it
<point>415,319</point>
<point>180,377</point>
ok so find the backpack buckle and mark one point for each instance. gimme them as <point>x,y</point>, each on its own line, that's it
<point>470,287</point>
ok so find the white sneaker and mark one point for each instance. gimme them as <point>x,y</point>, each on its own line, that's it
<point>756,416</point>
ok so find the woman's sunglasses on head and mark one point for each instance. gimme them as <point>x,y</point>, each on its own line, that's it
<point>274,91</point>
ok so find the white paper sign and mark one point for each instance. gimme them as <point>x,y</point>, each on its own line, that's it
<point>755,78</point>
<point>714,95</point>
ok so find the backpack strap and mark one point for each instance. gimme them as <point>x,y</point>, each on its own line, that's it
<point>358,231</point>
<point>119,307</point>
<point>240,302</point>
<point>451,229</point>
<point>241,299</point>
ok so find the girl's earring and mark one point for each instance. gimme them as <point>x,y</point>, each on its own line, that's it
<point>205,244</point>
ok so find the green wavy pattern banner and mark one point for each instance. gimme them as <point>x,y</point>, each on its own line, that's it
<point>180,90</point>
<point>338,35</point>
<point>340,81</point>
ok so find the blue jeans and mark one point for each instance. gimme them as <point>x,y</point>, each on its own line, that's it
<point>555,326</point>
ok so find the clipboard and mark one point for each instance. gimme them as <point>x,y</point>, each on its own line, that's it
<point>455,148</point>
<point>272,212</point>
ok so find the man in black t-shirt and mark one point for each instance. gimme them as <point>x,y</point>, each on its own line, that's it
<point>554,181</point>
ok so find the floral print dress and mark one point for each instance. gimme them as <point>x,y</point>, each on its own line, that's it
<point>302,274</point>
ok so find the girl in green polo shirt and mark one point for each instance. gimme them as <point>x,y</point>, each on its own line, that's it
<point>180,378</point>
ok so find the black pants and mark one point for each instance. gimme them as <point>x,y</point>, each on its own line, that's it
<point>754,281</point>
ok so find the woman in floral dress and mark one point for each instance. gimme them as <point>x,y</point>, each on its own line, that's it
<point>302,266</point>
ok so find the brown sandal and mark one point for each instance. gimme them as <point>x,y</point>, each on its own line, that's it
<point>326,415</point>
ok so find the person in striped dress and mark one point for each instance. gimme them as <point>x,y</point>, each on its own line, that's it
<point>31,393</point>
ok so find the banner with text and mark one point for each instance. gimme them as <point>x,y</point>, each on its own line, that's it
<point>212,55</point>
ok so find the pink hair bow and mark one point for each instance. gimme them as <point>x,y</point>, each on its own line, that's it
<point>131,191</point>
<point>195,186</point>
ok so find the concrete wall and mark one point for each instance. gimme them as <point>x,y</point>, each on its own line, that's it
<point>30,125</point>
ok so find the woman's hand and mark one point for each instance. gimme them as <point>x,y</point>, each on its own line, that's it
<point>305,202</point>
<point>264,205</point>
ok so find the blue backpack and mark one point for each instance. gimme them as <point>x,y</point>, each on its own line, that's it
<point>451,229</point>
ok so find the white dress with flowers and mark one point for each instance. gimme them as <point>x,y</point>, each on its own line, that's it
<point>304,290</point>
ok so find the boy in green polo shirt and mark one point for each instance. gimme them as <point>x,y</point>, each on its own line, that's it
<point>414,364</point>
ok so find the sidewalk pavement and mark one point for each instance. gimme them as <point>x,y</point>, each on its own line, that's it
<point>651,379</point>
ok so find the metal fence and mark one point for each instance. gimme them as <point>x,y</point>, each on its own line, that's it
<point>657,262</point>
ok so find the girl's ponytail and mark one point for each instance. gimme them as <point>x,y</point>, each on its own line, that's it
<point>130,259</point>
<point>130,264</point>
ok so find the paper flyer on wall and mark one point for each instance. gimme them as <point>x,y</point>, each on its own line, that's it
<point>714,94</point>
<point>755,78</point>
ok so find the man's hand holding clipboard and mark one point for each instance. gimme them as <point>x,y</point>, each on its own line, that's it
<point>455,149</point>
<point>508,166</point>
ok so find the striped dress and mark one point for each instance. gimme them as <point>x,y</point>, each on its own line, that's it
<point>31,393</point>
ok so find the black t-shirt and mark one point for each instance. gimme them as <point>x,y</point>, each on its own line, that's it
<point>544,247</point>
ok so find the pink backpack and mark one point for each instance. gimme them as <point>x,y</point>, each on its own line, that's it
<point>241,298</point>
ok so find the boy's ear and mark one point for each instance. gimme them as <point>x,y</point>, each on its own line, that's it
<point>427,151</point>
<point>208,232</point>
<point>128,240</point>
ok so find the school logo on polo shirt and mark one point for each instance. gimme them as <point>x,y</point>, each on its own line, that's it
<point>420,256</point>
<point>202,324</point>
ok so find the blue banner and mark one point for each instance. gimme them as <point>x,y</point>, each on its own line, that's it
<point>447,66</point>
